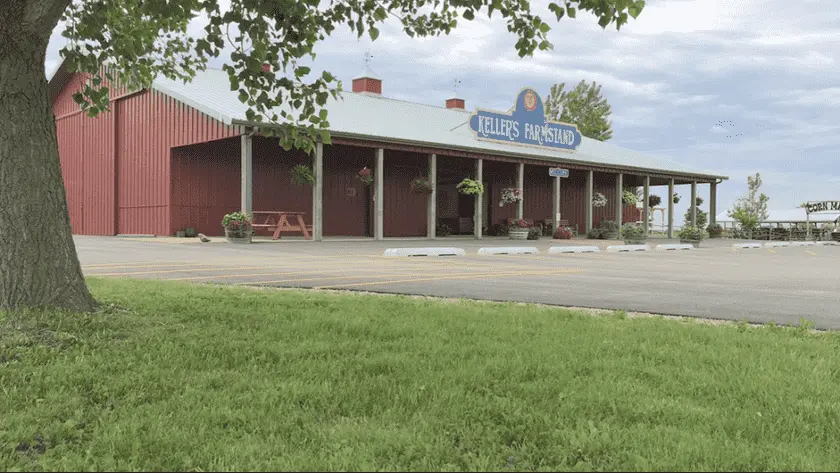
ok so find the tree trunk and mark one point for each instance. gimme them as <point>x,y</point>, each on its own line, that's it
<point>38,262</point>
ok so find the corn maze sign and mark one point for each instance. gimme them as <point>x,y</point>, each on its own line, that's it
<point>826,206</point>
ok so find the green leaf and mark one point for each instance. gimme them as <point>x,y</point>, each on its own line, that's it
<point>325,137</point>
<point>380,14</point>
<point>572,12</point>
<point>469,15</point>
<point>302,71</point>
<point>374,33</point>
<point>243,96</point>
<point>544,28</point>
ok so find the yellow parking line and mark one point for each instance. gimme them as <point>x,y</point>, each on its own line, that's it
<point>772,251</point>
<point>468,276</point>
<point>810,252</point>
<point>291,272</point>
<point>294,280</point>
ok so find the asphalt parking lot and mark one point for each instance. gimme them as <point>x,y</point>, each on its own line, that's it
<point>760,285</point>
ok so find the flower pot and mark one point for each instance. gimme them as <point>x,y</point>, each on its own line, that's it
<point>694,243</point>
<point>239,235</point>
<point>518,234</point>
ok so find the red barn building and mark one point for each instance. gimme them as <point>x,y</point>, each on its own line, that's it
<point>178,156</point>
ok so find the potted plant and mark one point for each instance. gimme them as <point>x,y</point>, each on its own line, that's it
<point>510,196</point>
<point>470,187</point>
<point>238,227</point>
<point>563,233</point>
<point>594,234</point>
<point>691,235</point>
<point>654,200</point>
<point>443,230</point>
<point>365,175</point>
<point>534,233</point>
<point>302,175</point>
<point>609,229</point>
<point>676,198</point>
<point>629,197</point>
<point>421,185</point>
<point>699,201</point>
<point>715,230</point>
<point>518,229</point>
<point>599,200</point>
<point>632,234</point>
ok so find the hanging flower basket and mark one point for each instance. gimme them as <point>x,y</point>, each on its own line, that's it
<point>421,185</point>
<point>676,198</point>
<point>365,175</point>
<point>302,175</point>
<point>470,187</point>
<point>629,197</point>
<point>510,195</point>
<point>599,200</point>
<point>654,200</point>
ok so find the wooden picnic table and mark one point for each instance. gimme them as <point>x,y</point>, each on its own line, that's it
<point>278,220</point>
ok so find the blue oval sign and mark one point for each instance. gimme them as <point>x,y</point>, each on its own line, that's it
<point>526,125</point>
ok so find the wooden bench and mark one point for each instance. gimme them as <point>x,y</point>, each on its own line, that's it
<point>278,221</point>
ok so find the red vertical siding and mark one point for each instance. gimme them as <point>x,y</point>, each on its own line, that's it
<point>205,185</point>
<point>405,210</point>
<point>148,125</point>
<point>346,200</point>
<point>538,194</point>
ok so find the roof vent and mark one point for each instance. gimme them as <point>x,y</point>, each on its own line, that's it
<point>367,81</point>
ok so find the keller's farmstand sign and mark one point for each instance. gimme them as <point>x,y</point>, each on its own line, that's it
<point>826,206</point>
<point>525,125</point>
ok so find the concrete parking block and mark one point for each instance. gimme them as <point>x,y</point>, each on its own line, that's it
<point>673,247</point>
<point>441,251</point>
<point>627,248</point>
<point>574,249</point>
<point>509,250</point>
<point>746,245</point>
<point>776,244</point>
<point>802,243</point>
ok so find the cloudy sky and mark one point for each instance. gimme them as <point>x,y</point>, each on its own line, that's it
<point>732,87</point>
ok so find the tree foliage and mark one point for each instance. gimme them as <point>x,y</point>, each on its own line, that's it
<point>142,39</point>
<point>751,209</point>
<point>583,106</point>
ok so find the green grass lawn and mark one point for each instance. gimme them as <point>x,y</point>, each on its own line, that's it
<point>180,377</point>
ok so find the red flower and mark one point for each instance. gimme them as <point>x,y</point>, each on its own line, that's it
<point>364,172</point>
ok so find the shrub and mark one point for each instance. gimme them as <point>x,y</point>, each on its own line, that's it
<point>563,233</point>
<point>690,233</point>
<point>702,218</point>
<point>631,231</point>
<point>608,228</point>
<point>534,234</point>
<point>518,224</point>
<point>654,200</point>
<point>443,230</point>
<point>594,234</point>
<point>715,230</point>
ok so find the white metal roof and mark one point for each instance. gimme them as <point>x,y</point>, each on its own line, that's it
<point>374,117</point>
